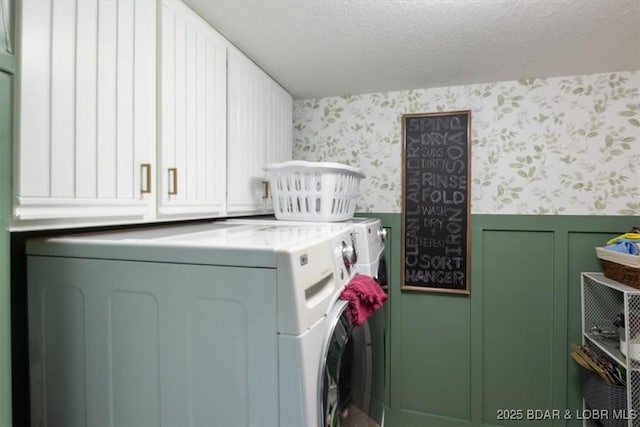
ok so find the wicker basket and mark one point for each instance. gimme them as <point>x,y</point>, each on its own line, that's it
<point>599,395</point>
<point>620,267</point>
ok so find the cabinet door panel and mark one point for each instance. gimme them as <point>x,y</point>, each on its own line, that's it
<point>260,132</point>
<point>106,99</point>
<point>62,98</point>
<point>178,145</point>
<point>144,89</point>
<point>247,139</point>
<point>280,131</point>
<point>199,172</point>
<point>86,91</point>
<point>216,126</point>
<point>188,183</point>
<point>169,102</point>
<point>193,112</point>
<point>87,109</point>
<point>35,99</point>
<point>124,107</point>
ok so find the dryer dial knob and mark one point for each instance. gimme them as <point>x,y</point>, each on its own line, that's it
<point>383,234</point>
<point>349,256</point>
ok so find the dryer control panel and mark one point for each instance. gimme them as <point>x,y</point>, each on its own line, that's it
<point>311,275</point>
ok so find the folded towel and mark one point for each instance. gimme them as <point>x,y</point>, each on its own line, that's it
<point>629,237</point>
<point>624,246</point>
<point>364,296</point>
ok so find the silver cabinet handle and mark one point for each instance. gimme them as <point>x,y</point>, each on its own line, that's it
<point>265,187</point>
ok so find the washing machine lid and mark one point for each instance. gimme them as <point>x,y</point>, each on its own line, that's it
<point>369,241</point>
<point>212,243</point>
<point>367,232</point>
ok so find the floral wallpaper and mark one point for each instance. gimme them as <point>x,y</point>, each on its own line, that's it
<point>567,145</point>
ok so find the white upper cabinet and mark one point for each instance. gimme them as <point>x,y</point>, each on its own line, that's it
<point>259,132</point>
<point>87,110</point>
<point>94,147</point>
<point>193,104</point>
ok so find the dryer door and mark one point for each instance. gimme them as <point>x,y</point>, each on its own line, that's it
<point>345,370</point>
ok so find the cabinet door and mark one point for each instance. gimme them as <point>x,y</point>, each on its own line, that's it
<point>87,125</point>
<point>280,131</point>
<point>259,124</point>
<point>192,173</point>
<point>246,137</point>
<point>280,127</point>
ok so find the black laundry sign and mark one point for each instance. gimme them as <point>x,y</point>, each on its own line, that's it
<point>435,202</point>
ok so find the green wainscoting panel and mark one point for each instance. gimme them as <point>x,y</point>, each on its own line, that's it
<point>443,358</point>
<point>6,102</point>
<point>457,360</point>
<point>517,321</point>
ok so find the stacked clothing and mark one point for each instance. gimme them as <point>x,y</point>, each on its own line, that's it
<point>627,243</point>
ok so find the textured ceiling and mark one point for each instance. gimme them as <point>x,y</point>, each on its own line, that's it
<point>318,48</point>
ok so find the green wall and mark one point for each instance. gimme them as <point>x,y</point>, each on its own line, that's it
<point>6,100</point>
<point>457,360</point>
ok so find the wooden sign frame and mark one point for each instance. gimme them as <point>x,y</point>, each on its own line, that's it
<point>436,179</point>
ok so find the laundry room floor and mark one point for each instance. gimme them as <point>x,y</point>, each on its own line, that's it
<point>356,418</point>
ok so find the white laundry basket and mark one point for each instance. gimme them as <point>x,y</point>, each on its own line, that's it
<point>313,191</point>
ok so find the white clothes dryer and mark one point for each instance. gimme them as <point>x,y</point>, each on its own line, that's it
<point>204,324</point>
<point>364,347</point>
<point>370,240</point>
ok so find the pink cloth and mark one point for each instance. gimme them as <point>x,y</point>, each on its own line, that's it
<point>364,296</point>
